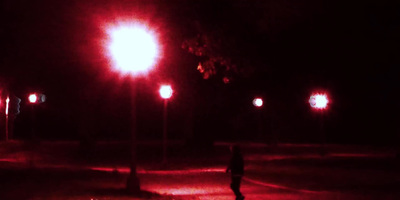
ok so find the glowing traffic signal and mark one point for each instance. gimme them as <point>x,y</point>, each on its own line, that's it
<point>258,102</point>
<point>165,91</point>
<point>319,101</point>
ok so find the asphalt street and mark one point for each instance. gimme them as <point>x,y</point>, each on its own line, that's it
<point>269,175</point>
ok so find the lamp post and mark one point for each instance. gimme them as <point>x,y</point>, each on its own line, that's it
<point>33,100</point>
<point>165,93</point>
<point>7,108</point>
<point>133,50</point>
<point>258,103</point>
<point>319,102</point>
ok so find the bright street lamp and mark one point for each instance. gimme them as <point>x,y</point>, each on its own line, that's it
<point>134,51</point>
<point>319,102</point>
<point>33,98</point>
<point>165,93</point>
<point>7,108</point>
<point>258,102</point>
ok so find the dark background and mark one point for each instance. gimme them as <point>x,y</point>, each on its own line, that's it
<point>348,49</point>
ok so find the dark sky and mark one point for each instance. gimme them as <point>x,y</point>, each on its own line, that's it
<point>345,48</point>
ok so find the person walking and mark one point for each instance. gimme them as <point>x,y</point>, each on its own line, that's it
<point>236,168</point>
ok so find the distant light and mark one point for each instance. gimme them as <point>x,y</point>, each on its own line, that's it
<point>226,80</point>
<point>7,103</point>
<point>33,98</point>
<point>42,98</point>
<point>133,48</point>
<point>165,91</point>
<point>319,101</point>
<point>258,102</point>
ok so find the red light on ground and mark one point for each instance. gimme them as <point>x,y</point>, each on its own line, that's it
<point>33,98</point>
<point>319,101</point>
<point>133,48</point>
<point>165,91</point>
<point>258,102</point>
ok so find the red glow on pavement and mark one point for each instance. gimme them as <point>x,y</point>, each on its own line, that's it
<point>160,172</point>
<point>281,157</point>
<point>277,186</point>
<point>363,155</point>
<point>111,169</point>
<point>133,48</point>
<point>194,190</point>
<point>11,160</point>
<point>185,171</point>
<point>319,101</point>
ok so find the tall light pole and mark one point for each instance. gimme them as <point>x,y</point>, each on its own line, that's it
<point>7,108</point>
<point>258,104</point>
<point>319,102</point>
<point>165,93</point>
<point>133,49</point>
<point>33,100</point>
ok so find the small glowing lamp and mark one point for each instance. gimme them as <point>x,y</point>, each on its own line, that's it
<point>258,102</point>
<point>33,98</point>
<point>165,91</point>
<point>319,101</point>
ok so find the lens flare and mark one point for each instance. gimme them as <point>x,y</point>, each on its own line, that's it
<point>319,101</point>
<point>133,48</point>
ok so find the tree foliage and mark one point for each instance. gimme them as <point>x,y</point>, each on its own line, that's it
<point>234,37</point>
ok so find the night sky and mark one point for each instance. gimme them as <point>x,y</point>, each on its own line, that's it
<point>286,49</point>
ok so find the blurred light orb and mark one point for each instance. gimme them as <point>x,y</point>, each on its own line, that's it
<point>133,48</point>
<point>33,98</point>
<point>258,102</point>
<point>7,103</point>
<point>319,101</point>
<point>42,98</point>
<point>165,91</point>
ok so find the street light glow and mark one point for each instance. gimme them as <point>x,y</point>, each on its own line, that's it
<point>165,91</point>
<point>258,102</point>
<point>133,49</point>
<point>7,104</point>
<point>33,98</point>
<point>319,101</point>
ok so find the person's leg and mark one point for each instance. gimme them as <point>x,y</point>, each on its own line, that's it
<point>239,180</point>
<point>239,183</point>
<point>235,186</point>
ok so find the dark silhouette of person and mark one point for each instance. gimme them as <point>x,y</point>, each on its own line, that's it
<point>236,168</point>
